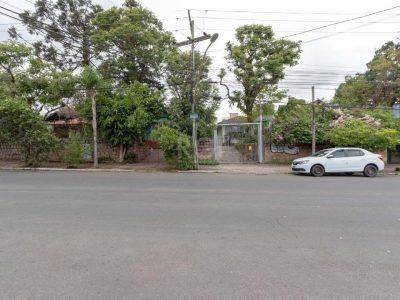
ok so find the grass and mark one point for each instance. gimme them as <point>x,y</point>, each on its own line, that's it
<point>278,162</point>
<point>208,162</point>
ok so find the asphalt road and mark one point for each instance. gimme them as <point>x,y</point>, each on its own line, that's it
<point>72,235</point>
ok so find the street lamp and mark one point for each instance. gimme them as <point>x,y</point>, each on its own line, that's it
<point>194,115</point>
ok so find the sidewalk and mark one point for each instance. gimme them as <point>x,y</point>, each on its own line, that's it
<point>257,169</point>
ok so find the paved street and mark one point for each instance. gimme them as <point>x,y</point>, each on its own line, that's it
<point>97,235</point>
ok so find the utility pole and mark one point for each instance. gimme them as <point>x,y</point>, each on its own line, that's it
<point>313,126</point>
<point>94,125</point>
<point>191,41</point>
<point>192,92</point>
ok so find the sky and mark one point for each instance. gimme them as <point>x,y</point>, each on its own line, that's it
<point>328,54</point>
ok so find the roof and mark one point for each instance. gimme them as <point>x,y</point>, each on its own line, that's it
<point>234,120</point>
<point>63,113</point>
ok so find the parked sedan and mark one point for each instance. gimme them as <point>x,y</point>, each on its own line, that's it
<point>340,160</point>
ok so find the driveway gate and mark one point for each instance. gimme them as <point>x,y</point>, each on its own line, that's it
<point>238,143</point>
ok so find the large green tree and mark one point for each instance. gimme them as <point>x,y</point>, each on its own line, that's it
<point>132,43</point>
<point>179,86</point>
<point>66,27</point>
<point>124,116</point>
<point>30,79</point>
<point>258,62</point>
<point>378,86</point>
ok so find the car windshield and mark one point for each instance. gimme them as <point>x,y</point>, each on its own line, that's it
<point>321,153</point>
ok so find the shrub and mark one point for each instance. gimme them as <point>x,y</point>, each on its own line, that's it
<point>23,127</point>
<point>177,147</point>
<point>130,157</point>
<point>105,159</point>
<point>73,153</point>
<point>208,162</point>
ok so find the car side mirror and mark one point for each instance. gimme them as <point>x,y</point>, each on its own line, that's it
<point>330,156</point>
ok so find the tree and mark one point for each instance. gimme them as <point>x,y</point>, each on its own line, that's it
<point>133,45</point>
<point>22,126</point>
<point>28,78</point>
<point>66,26</point>
<point>13,56</point>
<point>378,86</point>
<point>124,117</point>
<point>258,63</point>
<point>177,147</point>
<point>355,92</point>
<point>179,86</point>
<point>292,123</point>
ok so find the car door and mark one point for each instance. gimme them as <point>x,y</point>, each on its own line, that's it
<point>336,161</point>
<point>356,160</point>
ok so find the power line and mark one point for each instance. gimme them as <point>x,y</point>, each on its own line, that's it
<point>271,12</point>
<point>344,21</point>
<point>293,20</point>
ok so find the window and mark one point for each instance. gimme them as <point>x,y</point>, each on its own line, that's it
<point>354,152</point>
<point>338,153</point>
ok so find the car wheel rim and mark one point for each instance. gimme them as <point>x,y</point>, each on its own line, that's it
<point>370,170</point>
<point>318,171</point>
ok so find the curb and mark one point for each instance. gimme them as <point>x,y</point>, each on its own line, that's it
<point>66,170</point>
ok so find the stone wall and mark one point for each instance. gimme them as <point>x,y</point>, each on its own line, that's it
<point>146,152</point>
<point>205,149</point>
<point>9,152</point>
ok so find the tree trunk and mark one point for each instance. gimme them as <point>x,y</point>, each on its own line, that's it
<point>122,151</point>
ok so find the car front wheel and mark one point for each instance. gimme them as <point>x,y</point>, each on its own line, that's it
<point>317,171</point>
<point>370,171</point>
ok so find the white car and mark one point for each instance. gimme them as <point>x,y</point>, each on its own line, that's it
<point>340,160</point>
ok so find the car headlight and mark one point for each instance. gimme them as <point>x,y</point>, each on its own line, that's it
<point>302,162</point>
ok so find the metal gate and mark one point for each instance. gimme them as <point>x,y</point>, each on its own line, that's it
<point>238,143</point>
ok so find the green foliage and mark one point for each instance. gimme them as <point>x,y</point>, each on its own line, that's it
<point>378,86</point>
<point>105,159</point>
<point>28,78</point>
<point>258,63</point>
<point>208,162</point>
<point>21,126</point>
<point>357,133</point>
<point>292,123</point>
<point>124,117</point>
<point>130,157</point>
<point>73,152</point>
<point>179,106</point>
<point>355,92</point>
<point>70,26</point>
<point>132,43</point>
<point>177,147</point>
<point>90,78</point>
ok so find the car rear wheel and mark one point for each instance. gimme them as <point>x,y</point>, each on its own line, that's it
<point>317,171</point>
<point>370,171</point>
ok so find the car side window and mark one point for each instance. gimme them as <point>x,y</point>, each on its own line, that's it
<point>354,152</point>
<point>338,153</point>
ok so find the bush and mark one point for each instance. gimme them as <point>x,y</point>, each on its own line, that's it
<point>130,157</point>
<point>23,127</point>
<point>105,159</point>
<point>73,153</point>
<point>178,149</point>
<point>208,162</point>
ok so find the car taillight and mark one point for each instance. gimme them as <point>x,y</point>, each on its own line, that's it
<point>381,158</point>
